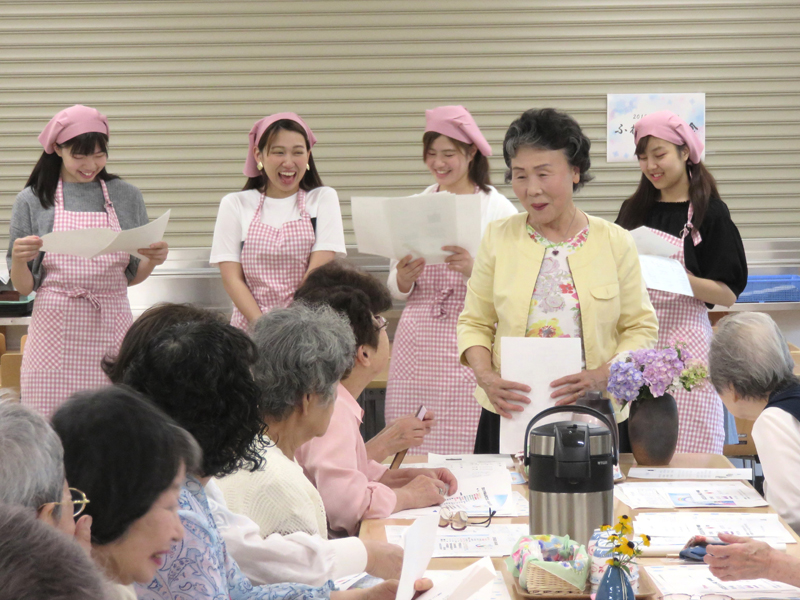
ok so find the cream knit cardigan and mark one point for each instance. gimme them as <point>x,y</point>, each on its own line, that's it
<point>278,497</point>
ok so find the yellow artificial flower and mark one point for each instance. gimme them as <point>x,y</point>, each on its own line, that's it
<point>610,561</point>
<point>628,548</point>
<point>624,526</point>
<point>645,539</point>
<point>605,527</point>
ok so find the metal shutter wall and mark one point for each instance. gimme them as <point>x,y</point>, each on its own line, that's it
<point>182,83</point>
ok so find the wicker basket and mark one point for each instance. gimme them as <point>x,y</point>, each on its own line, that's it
<point>543,583</point>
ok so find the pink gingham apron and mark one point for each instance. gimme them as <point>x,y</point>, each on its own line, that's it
<point>684,318</point>
<point>80,315</point>
<point>425,367</point>
<point>275,259</point>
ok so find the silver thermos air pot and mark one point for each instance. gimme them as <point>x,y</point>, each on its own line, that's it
<point>571,474</point>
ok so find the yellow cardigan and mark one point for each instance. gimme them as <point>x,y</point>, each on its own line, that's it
<point>616,314</point>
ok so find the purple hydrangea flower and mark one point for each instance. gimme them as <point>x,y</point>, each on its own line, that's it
<point>625,380</point>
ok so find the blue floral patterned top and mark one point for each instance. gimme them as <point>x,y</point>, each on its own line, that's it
<point>199,566</point>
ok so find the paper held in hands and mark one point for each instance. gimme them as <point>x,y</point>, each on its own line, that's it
<point>535,362</point>
<point>417,225</point>
<point>92,242</point>
<point>660,272</point>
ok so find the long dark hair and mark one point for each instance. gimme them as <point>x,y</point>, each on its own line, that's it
<point>44,177</point>
<point>311,178</point>
<point>702,187</point>
<point>479,166</point>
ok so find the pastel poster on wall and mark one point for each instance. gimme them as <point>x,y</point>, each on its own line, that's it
<point>625,109</point>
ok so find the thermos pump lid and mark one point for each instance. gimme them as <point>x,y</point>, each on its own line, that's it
<point>543,438</point>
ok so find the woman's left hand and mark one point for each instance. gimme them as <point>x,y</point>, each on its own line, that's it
<point>459,261</point>
<point>574,386</point>
<point>156,253</point>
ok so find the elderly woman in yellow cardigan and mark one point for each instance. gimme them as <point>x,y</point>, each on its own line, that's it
<point>552,271</point>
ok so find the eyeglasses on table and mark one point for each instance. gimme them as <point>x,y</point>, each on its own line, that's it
<point>459,520</point>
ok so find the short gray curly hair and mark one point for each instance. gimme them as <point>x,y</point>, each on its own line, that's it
<point>749,354</point>
<point>302,350</point>
<point>31,459</point>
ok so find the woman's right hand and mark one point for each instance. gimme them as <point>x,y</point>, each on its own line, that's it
<point>26,249</point>
<point>408,271</point>
<point>501,393</point>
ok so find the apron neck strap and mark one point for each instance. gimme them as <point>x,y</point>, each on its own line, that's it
<point>690,228</point>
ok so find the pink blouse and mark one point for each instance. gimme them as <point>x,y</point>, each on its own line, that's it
<point>337,465</point>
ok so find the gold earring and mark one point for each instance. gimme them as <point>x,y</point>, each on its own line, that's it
<point>260,166</point>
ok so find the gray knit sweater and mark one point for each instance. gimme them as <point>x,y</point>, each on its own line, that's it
<point>29,218</point>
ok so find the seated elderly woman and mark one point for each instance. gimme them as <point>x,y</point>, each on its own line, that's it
<point>36,561</point>
<point>297,557</point>
<point>131,459</point>
<point>200,374</point>
<point>551,271</point>
<point>32,472</point>
<point>354,487</point>
<point>751,368</point>
<point>304,352</point>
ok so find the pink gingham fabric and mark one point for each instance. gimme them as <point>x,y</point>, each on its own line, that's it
<point>274,260</point>
<point>425,368</point>
<point>80,315</point>
<point>681,318</point>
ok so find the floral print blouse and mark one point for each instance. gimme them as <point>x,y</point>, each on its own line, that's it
<point>555,310</point>
<point>199,566</point>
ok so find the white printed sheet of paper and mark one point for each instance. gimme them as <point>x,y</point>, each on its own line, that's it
<point>708,474</point>
<point>419,540</point>
<point>688,494</point>
<point>675,528</point>
<point>535,362</point>
<point>496,589</point>
<point>418,225</point>
<point>464,584</point>
<point>697,580</point>
<point>481,488</point>
<point>92,242</point>
<point>660,272</point>
<point>496,540</point>
<point>623,110</point>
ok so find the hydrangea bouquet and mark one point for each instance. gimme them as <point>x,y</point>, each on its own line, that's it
<point>647,374</point>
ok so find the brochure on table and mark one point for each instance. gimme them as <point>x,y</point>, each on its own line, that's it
<point>688,494</point>
<point>495,540</point>
<point>685,474</point>
<point>675,528</point>
<point>697,580</point>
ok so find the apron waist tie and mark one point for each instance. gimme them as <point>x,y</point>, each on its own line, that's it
<point>438,311</point>
<point>93,298</point>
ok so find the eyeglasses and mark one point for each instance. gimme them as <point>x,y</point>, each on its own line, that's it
<point>459,520</point>
<point>380,322</point>
<point>697,597</point>
<point>79,502</point>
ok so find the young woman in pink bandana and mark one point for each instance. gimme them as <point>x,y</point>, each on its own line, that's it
<point>677,197</point>
<point>425,366</point>
<point>81,311</point>
<point>283,224</point>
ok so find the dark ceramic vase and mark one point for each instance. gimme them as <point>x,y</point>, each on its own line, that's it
<point>615,585</point>
<point>653,430</point>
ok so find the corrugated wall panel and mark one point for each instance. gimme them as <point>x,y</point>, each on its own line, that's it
<point>182,82</point>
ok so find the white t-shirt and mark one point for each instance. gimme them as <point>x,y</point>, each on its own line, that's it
<point>236,212</point>
<point>776,434</point>
<point>497,206</point>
